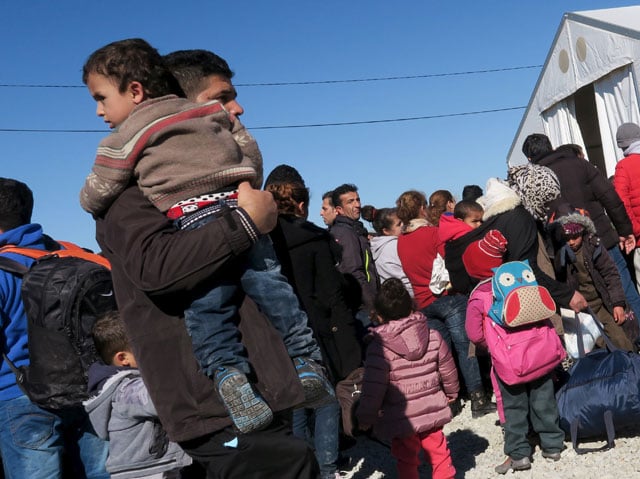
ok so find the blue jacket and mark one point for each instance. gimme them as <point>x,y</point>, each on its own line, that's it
<point>12,314</point>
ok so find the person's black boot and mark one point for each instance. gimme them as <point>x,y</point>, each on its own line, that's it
<point>481,404</point>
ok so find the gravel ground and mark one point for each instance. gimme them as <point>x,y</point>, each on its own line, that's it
<point>476,448</point>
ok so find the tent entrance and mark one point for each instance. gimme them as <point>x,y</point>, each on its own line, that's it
<point>590,117</point>
<point>587,118</point>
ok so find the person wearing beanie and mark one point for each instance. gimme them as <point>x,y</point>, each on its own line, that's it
<point>485,254</point>
<point>625,181</point>
<point>584,186</point>
<point>584,264</point>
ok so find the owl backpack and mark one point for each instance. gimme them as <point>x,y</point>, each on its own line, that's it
<point>519,354</point>
<point>518,299</point>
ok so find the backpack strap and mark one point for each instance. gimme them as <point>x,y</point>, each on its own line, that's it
<point>71,250</point>
<point>12,266</point>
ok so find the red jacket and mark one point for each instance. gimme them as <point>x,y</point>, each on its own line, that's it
<point>409,377</point>
<point>626,184</point>
<point>417,250</point>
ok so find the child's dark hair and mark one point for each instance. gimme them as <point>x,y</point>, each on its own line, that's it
<point>131,60</point>
<point>393,301</point>
<point>380,219</point>
<point>465,207</point>
<point>109,336</point>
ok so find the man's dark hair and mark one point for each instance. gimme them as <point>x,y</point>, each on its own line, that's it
<point>465,207</point>
<point>328,195</point>
<point>536,147</point>
<point>109,336</point>
<point>16,204</point>
<point>341,190</point>
<point>131,60</point>
<point>393,301</point>
<point>192,67</point>
<point>471,192</point>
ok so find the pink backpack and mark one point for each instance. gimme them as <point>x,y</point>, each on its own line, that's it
<point>521,354</point>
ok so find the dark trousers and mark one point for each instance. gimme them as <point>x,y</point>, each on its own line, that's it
<point>534,401</point>
<point>270,453</point>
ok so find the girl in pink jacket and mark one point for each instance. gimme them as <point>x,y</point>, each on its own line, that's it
<point>409,381</point>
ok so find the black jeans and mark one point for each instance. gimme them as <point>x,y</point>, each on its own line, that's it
<point>270,453</point>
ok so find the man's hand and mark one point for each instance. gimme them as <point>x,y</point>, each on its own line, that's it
<point>578,303</point>
<point>259,205</point>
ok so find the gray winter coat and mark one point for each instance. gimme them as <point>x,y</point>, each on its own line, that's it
<point>123,414</point>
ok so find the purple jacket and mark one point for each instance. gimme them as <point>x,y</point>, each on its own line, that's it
<point>409,377</point>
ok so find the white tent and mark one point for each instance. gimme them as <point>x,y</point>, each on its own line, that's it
<point>588,86</point>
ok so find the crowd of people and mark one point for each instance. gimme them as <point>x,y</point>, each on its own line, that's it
<point>237,316</point>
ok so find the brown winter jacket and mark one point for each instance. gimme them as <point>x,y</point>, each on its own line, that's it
<point>409,377</point>
<point>156,270</point>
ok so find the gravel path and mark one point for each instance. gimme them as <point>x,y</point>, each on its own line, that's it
<point>476,448</point>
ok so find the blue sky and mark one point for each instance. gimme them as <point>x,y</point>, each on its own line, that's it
<point>46,43</point>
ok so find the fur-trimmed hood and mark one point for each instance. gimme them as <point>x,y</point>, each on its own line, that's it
<point>499,198</point>
<point>566,214</point>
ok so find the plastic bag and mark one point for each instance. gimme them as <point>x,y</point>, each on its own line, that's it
<point>588,329</point>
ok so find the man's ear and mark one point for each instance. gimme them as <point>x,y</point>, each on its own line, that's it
<point>137,92</point>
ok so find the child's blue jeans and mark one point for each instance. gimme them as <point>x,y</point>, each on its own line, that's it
<point>212,319</point>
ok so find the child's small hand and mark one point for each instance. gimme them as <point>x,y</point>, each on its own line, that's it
<point>364,427</point>
<point>618,314</point>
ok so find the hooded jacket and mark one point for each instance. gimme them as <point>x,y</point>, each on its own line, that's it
<point>584,186</point>
<point>309,263</point>
<point>601,267</point>
<point>122,413</point>
<point>409,377</point>
<point>385,256</point>
<point>12,312</point>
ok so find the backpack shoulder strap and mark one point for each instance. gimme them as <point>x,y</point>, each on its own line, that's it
<point>71,250</point>
<point>12,266</point>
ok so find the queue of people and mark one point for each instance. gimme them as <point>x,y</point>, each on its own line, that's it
<point>237,316</point>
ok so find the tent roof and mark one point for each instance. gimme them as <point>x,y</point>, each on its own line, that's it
<point>621,22</point>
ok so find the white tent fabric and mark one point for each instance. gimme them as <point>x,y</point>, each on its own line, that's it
<point>599,49</point>
<point>560,124</point>
<point>616,103</point>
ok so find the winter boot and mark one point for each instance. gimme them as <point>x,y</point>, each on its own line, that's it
<point>481,404</point>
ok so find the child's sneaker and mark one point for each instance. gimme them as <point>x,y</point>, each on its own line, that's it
<point>248,411</point>
<point>317,388</point>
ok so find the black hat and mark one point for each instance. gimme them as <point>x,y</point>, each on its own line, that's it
<point>283,174</point>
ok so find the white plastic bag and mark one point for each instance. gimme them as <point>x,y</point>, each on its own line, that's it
<point>588,329</point>
<point>439,276</point>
